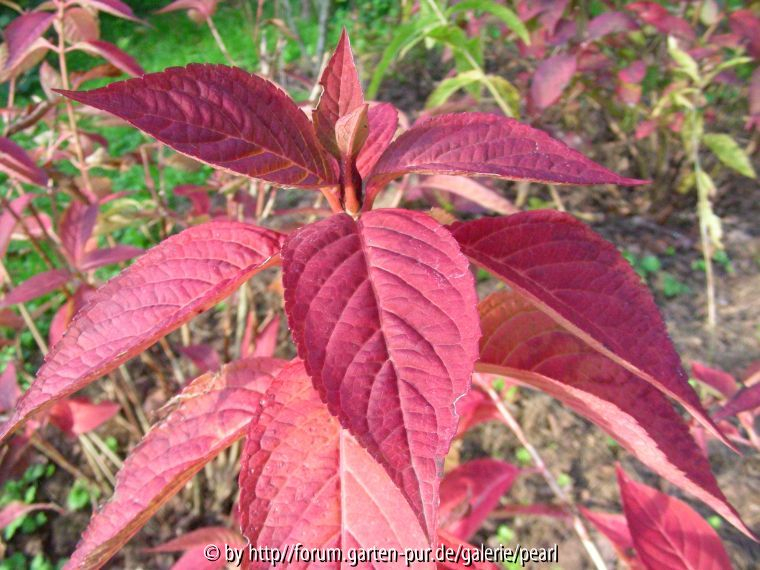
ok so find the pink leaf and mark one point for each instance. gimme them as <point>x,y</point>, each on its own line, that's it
<point>470,492</point>
<point>472,191</point>
<point>455,547</point>
<point>479,144</point>
<point>205,8</point>
<point>9,389</point>
<point>634,73</point>
<point>113,7</point>
<point>341,93</point>
<point>225,117</point>
<point>16,509</point>
<point>113,55</point>
<point>382,312</point>
<point>8,219</point>
<point>746,23</point>
<point>66,312</point>
<point>10,319</point>
<point>721,381</point>
<point>75,416</point>
<point>219,535</point>
<point>77,224</point>
<point>210,414</point>
<point>266,340</point>
<point>583,282</point>
<point>609,23</point>
<point>198,196</point>
<point>169,285</point>
<point>475,408</point>
<point>204,357</point>
<point>551,78</point>
<point>117,254</point>
<point>41,284</point>
<point>668,533</point>
<point>337,496</point>
<point>383,122</point>
<point>522,343</point>
<point>22,33</point>
<point>615,528</point>
<point>657,16</point>
<point>80,25</point>
<point>747,399</point>
<point>15,162</point>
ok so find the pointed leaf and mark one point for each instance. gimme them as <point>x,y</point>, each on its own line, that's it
<point>37,286</point>
<point>721,381</point>
<point>470,492</point>
<point>169,285</point>
<point>21,34</point>
<point>113,55</point>
<point>457,547</point>
<point>222,116</point>
<point>475,408</point>
<point>382,311</point>
<point>75,416</point>
<point>113,7</point>
<point>77,224</point>
<point>479,144</point>
<point>746,400</point>
<point>117,254</point>
<point>583,282</point>
<point>204,357</point>
<point>523,343</point>
<point>341,93</point>
<point>337,496</point>
<point>16,509</point>
<point>609,23</point>
<point>668,533</point>
<point>615,528</point>
<point>729,153</point>
<point>15,162</point>
<point>211,413</point>
<point>80,25</point>
<point>551,78</point>
<point>472,191</point>
<point>8,218</point>
<point>266,339</point>
<point>383,122</point>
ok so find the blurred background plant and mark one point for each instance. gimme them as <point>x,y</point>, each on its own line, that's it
<point>667,91</point>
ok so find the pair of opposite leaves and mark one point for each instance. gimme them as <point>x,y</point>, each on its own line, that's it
<point>386,300</point>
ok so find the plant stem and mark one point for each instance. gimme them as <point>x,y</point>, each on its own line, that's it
<point>219,41</point>
<point>512,424</point>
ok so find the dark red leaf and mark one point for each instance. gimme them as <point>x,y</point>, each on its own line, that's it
<point>615,528</point>
<point>475,408</point>
<point>657,16</point>
<point>66,312</point>
<point>16,163</point>
<point>76,227</point>
<point>470,492</point>
<point>383,122</point>
<point>75,416</point>
<point>583,282</point>
<point>113,55</point>
<point>36,286</point>
<point>211,413</point>
<point>382,311</point>
<point>22,32</point>
<point>479,144</point>
<point>668,533</point>
<point>169,285</point>
<point>746,23</point>
<point>524,344</point>
<point>225,117</point>
<point>747,399</point>
<point>721,381</point>
<point>117,254</point>
<point>550,79</point>
<point>341,93</point>
<point>337,496</point>
<point>609,23</point>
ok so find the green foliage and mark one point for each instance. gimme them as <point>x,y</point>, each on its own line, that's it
<point>25,490</point>
<point>729,153</point>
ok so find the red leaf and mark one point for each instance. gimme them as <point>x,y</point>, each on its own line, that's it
<point>76,227</point>
<point>470,492</point>
<point>10,319</point>
<point>455,547</point>
<point>746,24</point>
<point>113,7</point>
<point>721,381</point>
<point>668,533</point>
<point>658,17</point>
<point>523,343</point>
<point>194,543</point>
<point>8,219</point>
<point>335,497</point>
<point>169,285</point>
<point>210,414</point>
<point>36,286</point>
<point>16,509</point>
<point>583,282</point>
<point>113,55</point>
<point>479,144</point>
<point>117,254</point>
<point>204,357</point>
<point>9,389</point>
<point>747,399</point>
<point>383,122</point>
<point>475,408</point>
<point>551,78</point>
<point>22,32</point>
<point>75,416</point>
<point>609,23</point>
<point>198,196</point>
<point>341,94</point>
<point>266,340</point>
<point>16,163</point>
<point>472,191</point>
<point>615,528</point>
<point>222,116</point>
<point>382,312</point>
